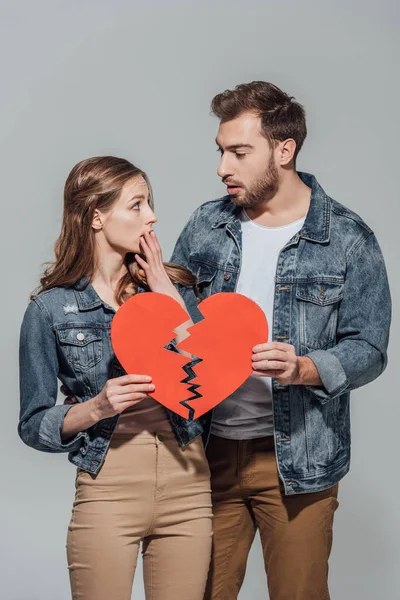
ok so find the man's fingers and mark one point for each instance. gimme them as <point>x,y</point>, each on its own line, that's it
<point>269,365</point>
<point>272,346</point>
<point>274,374</point>
<point>270,355</point>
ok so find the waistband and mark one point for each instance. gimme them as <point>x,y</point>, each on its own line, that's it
<point>143,437</point>
<point>262,443</point>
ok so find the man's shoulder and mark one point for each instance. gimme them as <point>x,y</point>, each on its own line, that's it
<point>216,208</point>
<point>345,217</point>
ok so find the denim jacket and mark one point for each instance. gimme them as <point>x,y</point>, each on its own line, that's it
<point>65,334</point>
<point>331,302</point>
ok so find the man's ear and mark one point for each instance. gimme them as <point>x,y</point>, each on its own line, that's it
<point>286,152</point>
<point>97,222</point>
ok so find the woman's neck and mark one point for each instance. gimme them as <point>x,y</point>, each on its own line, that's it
<point>106,277</point>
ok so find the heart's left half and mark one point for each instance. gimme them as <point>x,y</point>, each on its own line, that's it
<point>223,341</point>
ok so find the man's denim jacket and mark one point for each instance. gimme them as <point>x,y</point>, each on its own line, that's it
<point>332,303</point>
<point>65,334</point>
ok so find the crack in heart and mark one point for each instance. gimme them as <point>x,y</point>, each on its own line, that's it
<point>191,374</point>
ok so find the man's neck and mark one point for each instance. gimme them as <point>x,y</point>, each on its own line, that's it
<point>290,203</point>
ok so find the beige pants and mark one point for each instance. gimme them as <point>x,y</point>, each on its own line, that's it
<point>149,490</point>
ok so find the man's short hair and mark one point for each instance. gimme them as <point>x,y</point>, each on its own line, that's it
<point>282,117</point>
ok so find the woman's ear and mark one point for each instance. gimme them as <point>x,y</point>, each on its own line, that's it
<point>97,222</point>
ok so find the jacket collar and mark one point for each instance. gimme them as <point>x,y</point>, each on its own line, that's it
<point>317,224</point>
<point>85,294</point>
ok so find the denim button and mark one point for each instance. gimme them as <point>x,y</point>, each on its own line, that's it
<point>227,276</point>
<point>80,336</point>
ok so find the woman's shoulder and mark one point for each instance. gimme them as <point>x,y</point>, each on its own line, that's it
<point>56,300</point>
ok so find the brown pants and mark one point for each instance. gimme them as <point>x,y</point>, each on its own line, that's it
<point>150,490</point>
<point>296,531</point>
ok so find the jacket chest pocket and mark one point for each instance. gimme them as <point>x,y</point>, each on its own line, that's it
<point>318,305</point>
<point>81,346</point>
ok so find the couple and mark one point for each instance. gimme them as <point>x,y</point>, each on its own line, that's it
<point>276,448</point>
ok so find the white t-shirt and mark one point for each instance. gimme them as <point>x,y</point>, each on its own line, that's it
<point>247,413</point>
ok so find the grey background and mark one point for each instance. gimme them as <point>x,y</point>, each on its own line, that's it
<point>135,79</point>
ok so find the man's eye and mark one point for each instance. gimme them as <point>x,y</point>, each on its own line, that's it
<point>240,154</point>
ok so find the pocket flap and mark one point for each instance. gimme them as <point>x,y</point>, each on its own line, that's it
<point>321,293</point>
<point>204,272</point>
<point>78,336</point>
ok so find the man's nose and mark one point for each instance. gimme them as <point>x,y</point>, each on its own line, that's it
<point>223,168</point>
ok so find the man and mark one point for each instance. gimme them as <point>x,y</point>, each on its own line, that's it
<point>279,445</point>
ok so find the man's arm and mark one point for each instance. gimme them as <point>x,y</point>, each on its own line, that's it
<point>360,354</point>
<point>362,335</point>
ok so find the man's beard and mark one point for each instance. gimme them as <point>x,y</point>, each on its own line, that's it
<point>263,189</point>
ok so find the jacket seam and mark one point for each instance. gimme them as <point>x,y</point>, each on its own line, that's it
<point>356,246</point>
<point>348,215</point>
<point>41,306</point>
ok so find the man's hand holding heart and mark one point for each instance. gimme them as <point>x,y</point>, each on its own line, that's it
<point>280,361</point>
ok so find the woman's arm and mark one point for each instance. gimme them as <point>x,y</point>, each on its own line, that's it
<point>62,428</point>
<point>117,395</point>
<point>40,419</point>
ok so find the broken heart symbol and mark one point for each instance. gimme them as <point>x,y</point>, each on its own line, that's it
<point>221,344</point>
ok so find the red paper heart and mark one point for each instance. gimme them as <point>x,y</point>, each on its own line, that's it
<point>232,325</point>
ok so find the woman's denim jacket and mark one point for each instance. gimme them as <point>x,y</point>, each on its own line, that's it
<point>332,302</point>
<point>65,334</point>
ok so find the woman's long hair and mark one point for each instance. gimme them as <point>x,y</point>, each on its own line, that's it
<point>96,183</point>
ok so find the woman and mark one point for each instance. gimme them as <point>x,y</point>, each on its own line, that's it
<point>142,475</point>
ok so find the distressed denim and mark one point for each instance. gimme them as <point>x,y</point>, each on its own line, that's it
<point>65,334</point>
<point>332,303</point>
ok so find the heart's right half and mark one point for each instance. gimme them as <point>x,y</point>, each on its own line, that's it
<point>223,341</point>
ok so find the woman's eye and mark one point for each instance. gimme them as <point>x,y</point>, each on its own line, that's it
<point>136,206</point>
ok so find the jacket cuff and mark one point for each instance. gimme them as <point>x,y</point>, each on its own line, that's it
<point>51,428</point>
<point>333,377</point>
